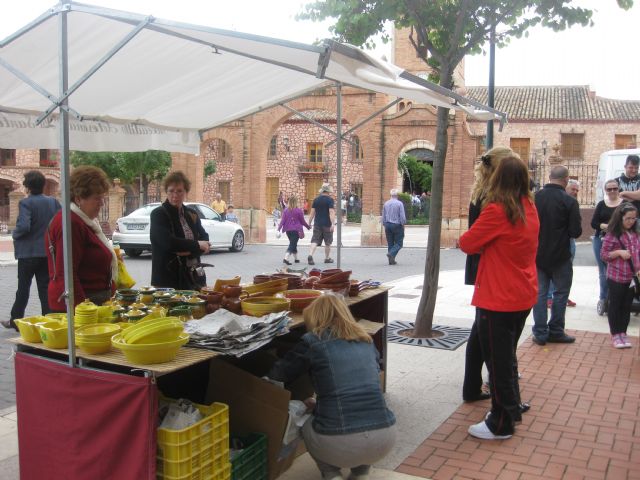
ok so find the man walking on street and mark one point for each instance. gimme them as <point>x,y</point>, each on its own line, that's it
<point>559,216</point>
<point>34,214</point>
<point>323,216</point>
<point>393,221</point>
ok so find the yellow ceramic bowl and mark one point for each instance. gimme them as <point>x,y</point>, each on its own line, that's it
<point>259,306</point>
<point>28,328</point>
<point>97,331</point>
<point>56,317</point>
<point>94,347</point>
<point>53,334</point>
<point>148,353</point>
<point>157,333</point>
<point>143,324</point>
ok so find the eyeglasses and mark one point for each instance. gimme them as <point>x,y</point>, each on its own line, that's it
<point>613,189</point>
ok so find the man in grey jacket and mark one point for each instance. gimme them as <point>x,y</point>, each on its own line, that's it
<point>34,214</point>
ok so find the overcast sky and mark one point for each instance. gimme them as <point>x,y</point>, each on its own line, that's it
<point>604,56</point>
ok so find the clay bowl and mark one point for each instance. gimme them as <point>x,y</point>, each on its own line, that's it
<point>232,290</point>
<point>277,285</point>
<point>314,272</point>
<point>329,271</point>
<point>259,306</point>
<point>261,278</point>
<point>217,287</point>
<point>301,298</point>
<point>338,277</point>
<point>211,297</point>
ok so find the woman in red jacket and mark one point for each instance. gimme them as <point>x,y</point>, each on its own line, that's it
<point>506,287</point>
<point>94,262</point>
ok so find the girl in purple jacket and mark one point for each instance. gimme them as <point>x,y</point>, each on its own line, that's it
<point>291,223</point>
<point>621,252</point>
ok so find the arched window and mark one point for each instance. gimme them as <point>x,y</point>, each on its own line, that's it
<point>357,154</point>
<point>273,146</point>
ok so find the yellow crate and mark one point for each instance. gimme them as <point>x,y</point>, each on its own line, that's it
<point>198,451</point>
<point>207,472</point>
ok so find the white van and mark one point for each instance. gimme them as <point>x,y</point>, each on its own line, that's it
<point>611,166</point>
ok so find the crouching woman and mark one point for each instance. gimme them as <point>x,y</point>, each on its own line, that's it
<point>351,426</point>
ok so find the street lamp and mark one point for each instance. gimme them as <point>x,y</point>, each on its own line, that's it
<point>544,147</point>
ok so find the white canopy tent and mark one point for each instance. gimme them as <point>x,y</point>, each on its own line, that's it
<point>88,78</point>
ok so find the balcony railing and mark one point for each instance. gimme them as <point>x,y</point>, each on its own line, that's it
<point>313,168</point>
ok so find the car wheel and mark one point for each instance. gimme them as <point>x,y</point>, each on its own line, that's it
<point>133,252</point>
<point>237,243</point>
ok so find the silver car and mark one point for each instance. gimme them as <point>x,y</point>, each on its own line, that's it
<point>132,231</point>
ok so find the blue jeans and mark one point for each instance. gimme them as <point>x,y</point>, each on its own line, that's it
<point>572,248</point>
<point>395,237</point>
<point>602,267</point>
<point>562,276</point>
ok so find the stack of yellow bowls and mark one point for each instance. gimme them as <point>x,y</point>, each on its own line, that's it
<point>54,334</point>
<point>56,317</point>
<point>86,312</point>
<point>96,338</point>
<point>155,340</point>
<point>28,328</point>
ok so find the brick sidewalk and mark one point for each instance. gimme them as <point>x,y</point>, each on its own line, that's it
<point>584,420</point>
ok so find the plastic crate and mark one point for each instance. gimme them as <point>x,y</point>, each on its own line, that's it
<point>251,463</point>
<point>200,451</point>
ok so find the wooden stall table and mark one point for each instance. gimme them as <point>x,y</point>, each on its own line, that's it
<point>100,420</point>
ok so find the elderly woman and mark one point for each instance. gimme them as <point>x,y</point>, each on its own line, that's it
<point>95,266</point>
<point>351,426</point>
<point>177,239</point>
<point>506,287</point>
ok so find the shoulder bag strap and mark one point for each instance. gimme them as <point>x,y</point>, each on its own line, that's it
<point>52,248</point>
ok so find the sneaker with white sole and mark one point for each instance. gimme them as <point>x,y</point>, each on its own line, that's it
<point>616,341</point>
<point>480,430</point>
<point>625,340</point>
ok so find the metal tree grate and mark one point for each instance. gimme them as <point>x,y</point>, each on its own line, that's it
<point>451,339</point>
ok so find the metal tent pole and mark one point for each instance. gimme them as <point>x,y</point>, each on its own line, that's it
<point>63,129</point>
<point>339,170</point>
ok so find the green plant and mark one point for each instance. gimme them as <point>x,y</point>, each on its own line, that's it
<point>210,168</point>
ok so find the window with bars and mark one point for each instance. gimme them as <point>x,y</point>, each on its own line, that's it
<point>625,141</point>
<point>8,157</point>
<point>572,146</point>
<point>224,150</point>
<point>49,158</point>
<point>357,154</point>
<point>521,146</point>
<point>273,146</point>
<point>314,152</point>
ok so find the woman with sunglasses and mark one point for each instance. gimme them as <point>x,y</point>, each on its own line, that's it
<point>601,216</point>
<point>621,252</point>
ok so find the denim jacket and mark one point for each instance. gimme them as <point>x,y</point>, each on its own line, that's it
<point>345,376</point>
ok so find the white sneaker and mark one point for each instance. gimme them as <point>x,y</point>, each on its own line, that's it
<point>625,340</point>
<point>480,430</point>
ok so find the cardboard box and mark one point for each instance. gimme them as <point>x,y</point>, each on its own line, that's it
<point>255,405</point>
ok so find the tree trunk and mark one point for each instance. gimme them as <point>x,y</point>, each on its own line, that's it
<point>424,315</point>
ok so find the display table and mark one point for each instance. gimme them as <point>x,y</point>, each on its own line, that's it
<point>100,421</point>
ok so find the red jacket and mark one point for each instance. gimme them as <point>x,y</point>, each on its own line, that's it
<point>507,280</point>
<point>91,262</point>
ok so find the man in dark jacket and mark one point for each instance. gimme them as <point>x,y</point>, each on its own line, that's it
<point>34,214</point>
<point>559,215</point>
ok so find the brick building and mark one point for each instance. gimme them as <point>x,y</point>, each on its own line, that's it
<point>277,150</point>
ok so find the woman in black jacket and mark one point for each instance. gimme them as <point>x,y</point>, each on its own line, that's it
<point>177,238</point>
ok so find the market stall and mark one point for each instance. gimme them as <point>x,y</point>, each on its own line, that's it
<point>100,421</point>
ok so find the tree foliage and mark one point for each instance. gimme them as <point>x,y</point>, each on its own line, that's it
<point>130,167</point>
<point>442,32</point>
<point>419,173</point>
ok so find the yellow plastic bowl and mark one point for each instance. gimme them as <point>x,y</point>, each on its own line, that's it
<point>28,328</point>
<point>161,333</point>
<point>94,347</point>
<point>53,334</point>
<point>149,353</point>
<point>259,306</point>
<point>97,331</point>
